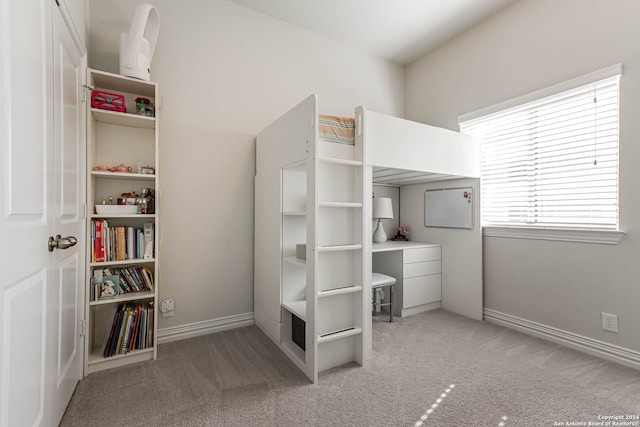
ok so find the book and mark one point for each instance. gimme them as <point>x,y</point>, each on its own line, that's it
<point>104,350</point>
<point>126,331</point>
<point>148,277</point>
<point>121,241</point>
<point>130,243</point>
<point>138,276</point>
<point>105,240</point>
<point>130,285</point>
<point>117,345</point>
<point>139,243</point>
<point>132,278</point>
<point>112,244</point>
<point>96,281</point>
<point>149,325</point>
<point>98,244</point>
<point>109,346</point>
<point>148,241</point>
<point>134,330</point>
<point>127,279</point>
<point>93,241</point>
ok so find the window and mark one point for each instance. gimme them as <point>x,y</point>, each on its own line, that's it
<point>552,162</point>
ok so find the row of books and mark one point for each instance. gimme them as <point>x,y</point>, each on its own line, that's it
<point>135,278</point>
<point>131,329</point>
<point>119,243</point>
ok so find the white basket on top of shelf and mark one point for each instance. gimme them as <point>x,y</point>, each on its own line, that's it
<point>116,209</point>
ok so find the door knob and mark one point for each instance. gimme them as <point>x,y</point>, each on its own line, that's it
<point>61,242</point>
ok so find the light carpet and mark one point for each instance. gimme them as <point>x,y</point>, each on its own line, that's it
<point>431,369</point>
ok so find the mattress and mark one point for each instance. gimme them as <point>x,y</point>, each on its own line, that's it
<point>341,130</point>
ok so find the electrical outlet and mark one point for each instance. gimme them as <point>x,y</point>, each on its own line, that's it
<point>167,307</point>
<point>609,322</point>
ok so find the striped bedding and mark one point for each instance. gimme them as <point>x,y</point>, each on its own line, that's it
<point>337,129</point>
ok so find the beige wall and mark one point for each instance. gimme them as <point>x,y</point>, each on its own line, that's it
<point>461,248</point>
<point>225,73</point>
<point>530,45</point>
<point>80,14</point>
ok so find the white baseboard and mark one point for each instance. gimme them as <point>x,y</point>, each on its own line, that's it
<point>419,309</point>
<point>191,330</point>
<point>581,343</point>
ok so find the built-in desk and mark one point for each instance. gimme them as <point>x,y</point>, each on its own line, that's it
<point>417,269</point>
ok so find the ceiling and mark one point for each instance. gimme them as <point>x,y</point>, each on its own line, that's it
<point>398,30</point>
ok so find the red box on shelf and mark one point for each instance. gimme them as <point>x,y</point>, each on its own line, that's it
<point>107,101</point>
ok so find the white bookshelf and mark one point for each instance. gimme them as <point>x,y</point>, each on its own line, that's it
<point>115,138</point>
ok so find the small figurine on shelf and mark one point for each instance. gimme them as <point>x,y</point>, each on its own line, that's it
<point>402,233</point>
<point>109,287</point>
<point>144,107</point>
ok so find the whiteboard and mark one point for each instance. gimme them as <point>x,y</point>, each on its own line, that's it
<point>449,207</point>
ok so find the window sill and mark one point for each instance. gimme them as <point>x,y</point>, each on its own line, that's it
<point>606,237</point>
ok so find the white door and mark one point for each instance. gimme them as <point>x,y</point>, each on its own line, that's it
<point>65,301</point>
<point>39,348</point>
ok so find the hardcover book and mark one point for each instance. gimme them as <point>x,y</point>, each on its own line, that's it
<point>148,241</point>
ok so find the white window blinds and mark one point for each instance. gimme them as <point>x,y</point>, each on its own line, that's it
<point>553,162</point>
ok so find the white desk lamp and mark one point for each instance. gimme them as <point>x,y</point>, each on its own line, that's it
<point>382,209</point>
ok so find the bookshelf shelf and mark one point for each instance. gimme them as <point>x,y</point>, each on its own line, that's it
<point>131,216</point>
<point>115,138</point>
<point>121,175</point>
<point>131,296</point>
<point>96,357</point>
<point>123,262</point>
<point>123,119</point>
<point>97,363</point>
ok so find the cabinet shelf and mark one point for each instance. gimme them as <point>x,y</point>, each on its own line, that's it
<point>292,349</point>
<point>295,261</point>
<point>340,204</point>
<point>339,161</point>
<point>298,213</point>
<point>299,308</point>
<point>123,119</point>
<point>336,335</point>
<point>339,291</point>
<point>339,248</point>
<point>131,296</point>
<point>121,175</point>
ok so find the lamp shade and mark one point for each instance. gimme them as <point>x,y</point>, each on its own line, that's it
<point>382,207</point>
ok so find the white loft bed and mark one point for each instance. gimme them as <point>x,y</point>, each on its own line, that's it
<point>324,192</point>
<point>403,152</point>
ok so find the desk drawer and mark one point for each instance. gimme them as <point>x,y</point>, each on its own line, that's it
<point>421,254</point>
<point>421,269</point>
<point>421,290</point>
